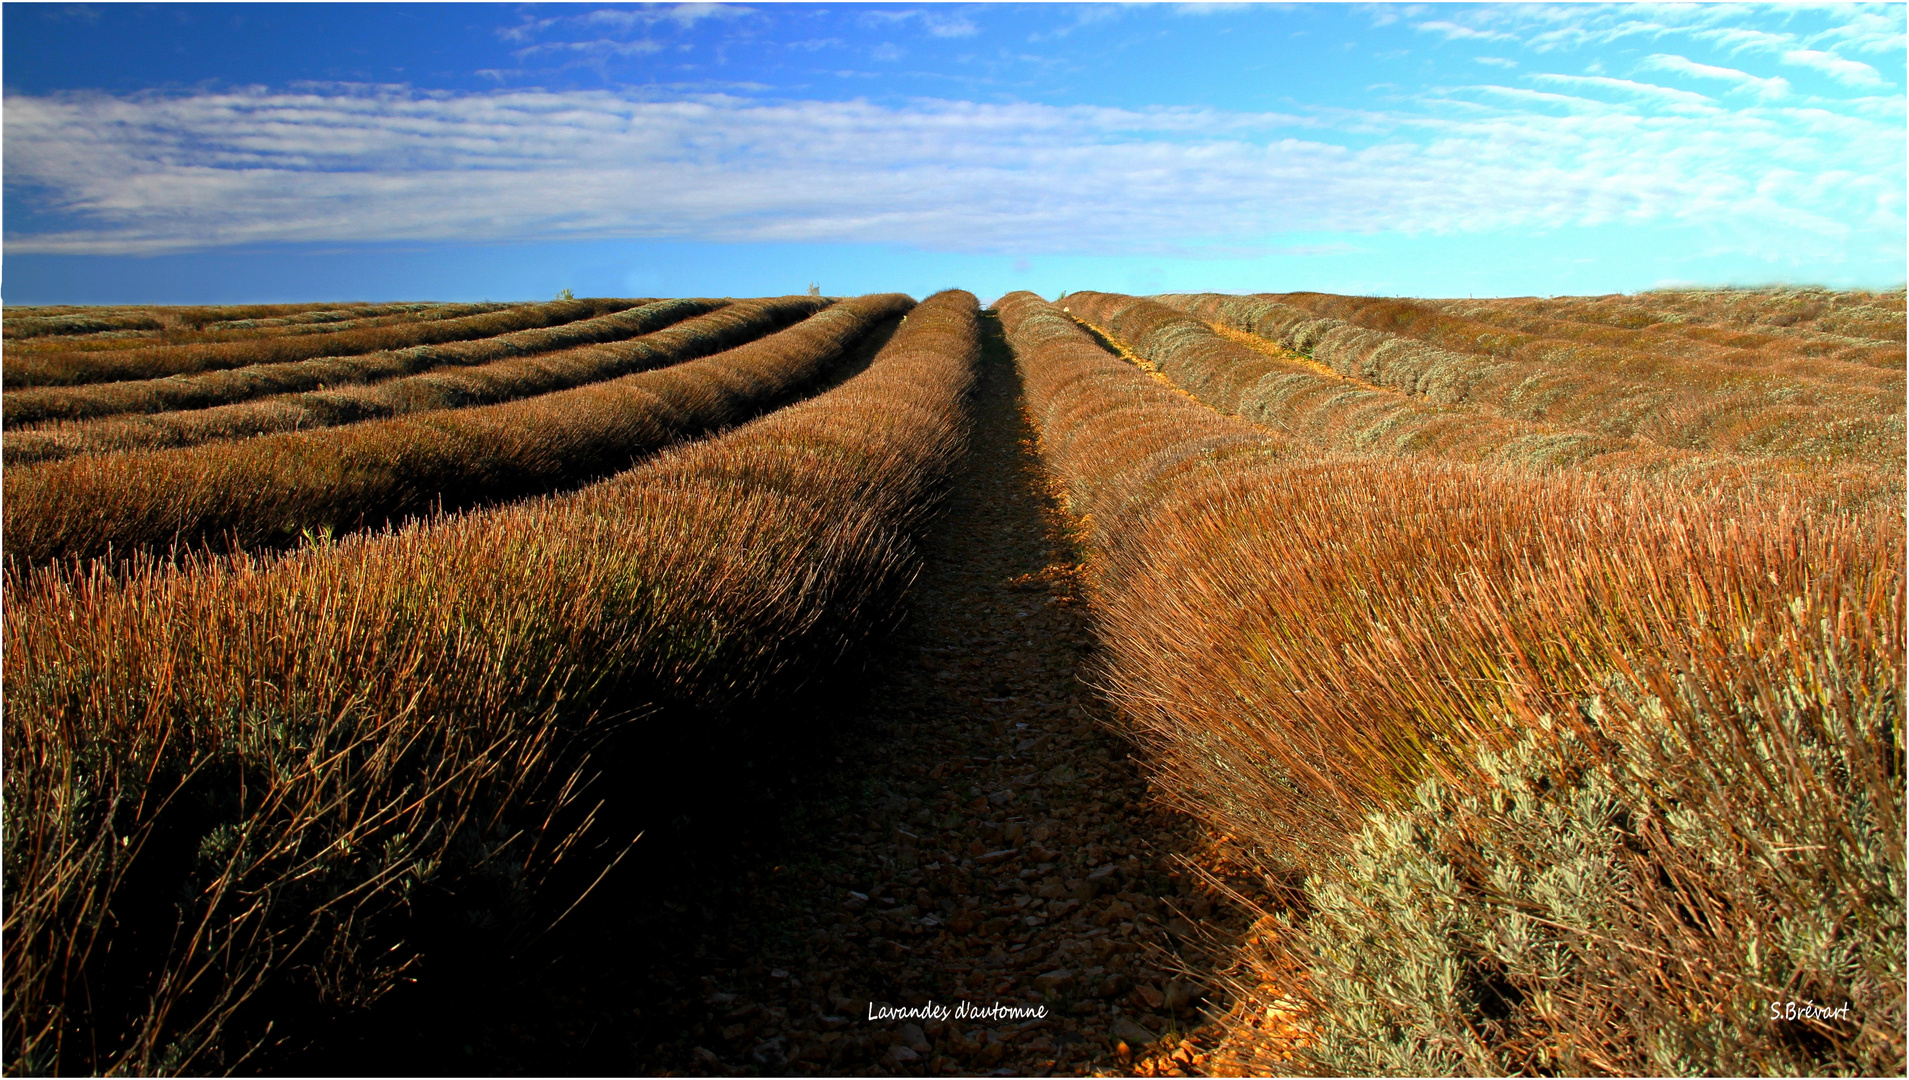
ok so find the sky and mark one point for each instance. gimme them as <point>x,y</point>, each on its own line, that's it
<point>225,153</point>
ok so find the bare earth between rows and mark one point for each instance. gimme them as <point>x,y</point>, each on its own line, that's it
<point>988,841</point>
<point>974,833</point>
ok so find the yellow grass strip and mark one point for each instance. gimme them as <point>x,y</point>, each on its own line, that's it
<point>1277,352</point>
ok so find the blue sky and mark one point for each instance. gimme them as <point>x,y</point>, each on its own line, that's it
<point>235,152</point>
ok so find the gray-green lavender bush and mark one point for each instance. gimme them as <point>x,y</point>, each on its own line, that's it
<point>1583,912</point>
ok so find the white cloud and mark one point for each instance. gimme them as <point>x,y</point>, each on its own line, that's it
<point>1848,72</point>
<point>597,48</point>
<point>1669,95</point>
<point>1084,15</point>
<point>1733,28</point>
<point>1538,99</point>
<point>935,22</point>
<point>601,21</point>
<point>951,26</point>
<point>526,30</point>
<point>1454,32</point>
<point>330,163</point>
<point>1222,7</point>
<point>684,15</point>
<point>1578,35</point>
<point>1770,88</point>
<point>1867,31</point>
<point>1741,39</point>
<point>1817,37</point>
<point>1495,61</point>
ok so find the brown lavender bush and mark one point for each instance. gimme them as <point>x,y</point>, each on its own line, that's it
<point>297,754</point>
<point>1545,771</point>
<point>274,488</point>
<point>73,367</point>
<point>522,368</point>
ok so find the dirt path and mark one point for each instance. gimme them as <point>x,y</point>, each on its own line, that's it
<point>974,835</point>
<point>999,847</point>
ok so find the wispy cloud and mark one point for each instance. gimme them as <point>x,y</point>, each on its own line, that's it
<point>939,23</point>
<point>1866,31</point>
<point>526,31</point>
<point>1670,95</point>
<point>1452,31</point>
<point>1742,39</point>
<point>1848,72</point>
<point>1536,99</point>
<point>1579,35</point>
<point>597,47</point>
<point>683,15</point>
<point>614,32</point>
<point>342,163</point>
<point>952,27</point>
<point>1774,87</point>
<point>1083,16</point>
<point>1224,7</point>
<point>1553,28</point>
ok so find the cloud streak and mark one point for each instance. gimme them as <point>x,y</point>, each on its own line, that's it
<point>1848,72</point>
<point>1770,88</point>
<point>355,163</point>
<point>1452,31</point>
<point>1669,95</point>
<point>1560,27</point>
